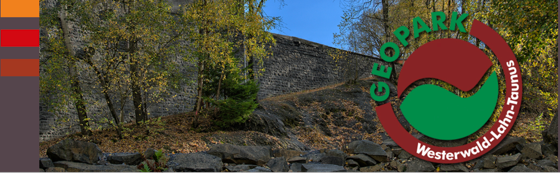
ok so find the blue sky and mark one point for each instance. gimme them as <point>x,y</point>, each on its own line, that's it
<point>310,20</point>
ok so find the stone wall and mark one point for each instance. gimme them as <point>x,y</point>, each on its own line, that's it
<point>296,65</point>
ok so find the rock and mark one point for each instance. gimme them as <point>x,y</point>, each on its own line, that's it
<point>287,153</point>
<point>375,168</point>
<point>508,161</point>
<point>149,153</point>
<point>550,169</point>
<point>336,153</point>
<point>295,167</point>
<point>453,168</point>
<point>41,170</point>
<point>332,160</point>
<point>240,168</point>
<point>393,164</point>
<point>195,162</point>
<point>521,168</point>
<point>390,153</point>
<point>369,148</point>
<point>352,163</point>
<point>404,155</point>
<point>363,160</point>
<point>419,165</point>
<point>169,170</point>
<point>389,142</point>
<point>78,151</point>
<point>507,144</point>
<point>489,162</point>
<point>486,170</point>
<point>258,155</point>
<point>550,134</point>
<point>313,167</point>
<point>397,150</point>
<point>314,156</point>
<point>532,150</point>
<point>45,163</point>
<point>259,169</point>
<point>546,162</point>
<point>278,164</point>
<point>126,158</point>
<point>535,167</point>
<point>55,169</point>
<point>297,159</point>
<point>401,167</point>
<point>83,167</point>
<point>549,149</point>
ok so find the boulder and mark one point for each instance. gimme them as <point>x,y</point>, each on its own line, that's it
<point>453,168</point>
<point>546,162</point>
<point>352,163</point>
<point>396,150</point>
<point>332,160</point>
<point>314,156</point>
<point>404,155</point>
<point>336,153</point>
<point>240,168</point>
<point>508,161</point>
<point>297,159</point>
<point>419,165</point>
<point>532,150</point>
<point>390,153</point>
<point>550,134</point>
<point>295,167</point>
<point>83,167</point>
<point>258,155</point>
<point>521,168</point>
<point>126,158</point>
<point>486,170</point>
<point>195,162</point>
<point>375,168</point>
<point>369,148</point>
<point>550,169</point>
<point>313,167</point>
<point>287,153</point>
<point>55,169</point>
<point>45,163</point>
<point>77,151</point>
<point>278,164</point>
<point>489,162</point>
<point>363,160</point>
<point>259,169</point>
<point>149,153</point>
<point>549,149</point>
<point>508,144</point>
<point>390,143</point>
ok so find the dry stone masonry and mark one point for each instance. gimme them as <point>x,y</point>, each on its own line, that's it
<point>296,65</point>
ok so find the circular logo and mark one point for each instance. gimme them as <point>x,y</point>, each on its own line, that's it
<point>440,114</point>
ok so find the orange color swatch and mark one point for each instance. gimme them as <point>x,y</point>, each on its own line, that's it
<point>19,8</point>
<point>19,67</point>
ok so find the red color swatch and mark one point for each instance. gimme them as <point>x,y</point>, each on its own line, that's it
<point>19,38</point>
<point>19,67</point>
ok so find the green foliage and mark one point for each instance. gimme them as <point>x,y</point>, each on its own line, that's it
<point>158,165</point>
<point>238,95</point>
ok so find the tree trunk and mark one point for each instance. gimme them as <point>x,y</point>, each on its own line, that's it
<point>79,103</point>
<point>385,7</point>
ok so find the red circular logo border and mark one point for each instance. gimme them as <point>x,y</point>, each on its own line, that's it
<point>510,111</point>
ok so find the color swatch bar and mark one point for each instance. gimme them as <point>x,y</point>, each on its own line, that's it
<point>19,67</point>
<point>19,38</point>
<point>19,8</point>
